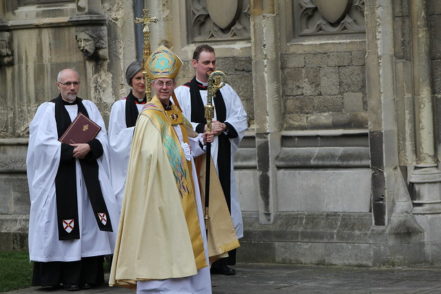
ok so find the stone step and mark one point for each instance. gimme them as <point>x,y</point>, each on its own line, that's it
<point>327,238</point>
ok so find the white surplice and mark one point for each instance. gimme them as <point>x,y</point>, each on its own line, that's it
<point>42,161</point>
<point>120,140</point>
<point>237,117</point>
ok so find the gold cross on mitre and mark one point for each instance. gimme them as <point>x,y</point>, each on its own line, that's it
<point>146,20</point>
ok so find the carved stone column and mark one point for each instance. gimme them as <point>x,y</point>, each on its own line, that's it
<point>267,101</point>
<point>426,177</point>
<point>391,202</point>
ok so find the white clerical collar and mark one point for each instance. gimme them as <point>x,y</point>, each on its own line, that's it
<point>202,83</point>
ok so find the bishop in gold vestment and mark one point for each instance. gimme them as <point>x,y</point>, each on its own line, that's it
<point>162,244</point>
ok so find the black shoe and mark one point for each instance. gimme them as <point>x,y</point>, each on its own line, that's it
<point>50,288</point>
<point>222,269</point>
<point>71,287</point>
<point>86,286</point>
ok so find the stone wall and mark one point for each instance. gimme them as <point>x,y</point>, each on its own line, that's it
<point>14,194</point>
<point>324,90</point>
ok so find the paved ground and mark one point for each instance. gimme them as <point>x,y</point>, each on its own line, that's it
<point>284,279</point>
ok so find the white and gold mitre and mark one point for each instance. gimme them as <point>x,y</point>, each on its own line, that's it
<point>163,63</point>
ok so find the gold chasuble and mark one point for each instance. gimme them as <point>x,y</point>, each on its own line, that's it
<point>159,235</point>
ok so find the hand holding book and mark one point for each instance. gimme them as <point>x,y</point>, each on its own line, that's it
<point>81,130</point>
<point>81,150</point>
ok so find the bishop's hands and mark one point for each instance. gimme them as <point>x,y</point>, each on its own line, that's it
<point>81,150</point>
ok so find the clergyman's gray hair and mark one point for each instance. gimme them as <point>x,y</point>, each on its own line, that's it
<point>61,72</point>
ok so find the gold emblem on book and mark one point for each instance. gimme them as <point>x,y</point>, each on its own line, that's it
<point>85,127</point>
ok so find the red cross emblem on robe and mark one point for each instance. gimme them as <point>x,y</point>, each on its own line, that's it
<point>103,217</point>
<point>68,225</point>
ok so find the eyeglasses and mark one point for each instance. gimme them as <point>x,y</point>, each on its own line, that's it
<point>162,84</point>
<point>69,83</point>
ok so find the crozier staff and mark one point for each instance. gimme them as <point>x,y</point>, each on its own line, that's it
<point>229,126</point>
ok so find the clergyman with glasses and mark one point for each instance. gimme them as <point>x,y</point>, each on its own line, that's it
<point>74,214</point>
<point>161,245</point>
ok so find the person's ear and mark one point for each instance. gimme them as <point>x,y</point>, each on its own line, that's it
<point>194,62</point>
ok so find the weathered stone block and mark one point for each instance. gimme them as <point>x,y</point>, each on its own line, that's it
<point>295,121</point>
<point>311,82</point>
<point>309,253</point>
<point>320,121</point>
<point>399,254</point>
<point>14,194</point>
<point>339,58</point>
<point>13,223</point>
<point>352,79</point>
<point>358,57</point>
<point>319,227</point>
<point>433,7</point>
<point>247,186</point>
<point>292,60</point>
<point>236,65</point>
<point>353,102</point>
<point>242,84</point>
<point>341,253</point>
<point>323,157</point>
<point>13,241</point>
<point>342,120</point>
<point>329,81</point>
<point>328,104</point>
<point>359,120</point>
<point>354,228</point>
<point>324,253</point>
<point>293,81</point>
<point>324,140</point>
<point>290,221</point>
<point>348,190</point>
<point>250,251</point>
<point>315,60</point>
<point>299,105</point>
<point>186,72</point>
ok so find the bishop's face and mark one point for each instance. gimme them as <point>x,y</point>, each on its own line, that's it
<point>163,89</point>
<point>205,65</point>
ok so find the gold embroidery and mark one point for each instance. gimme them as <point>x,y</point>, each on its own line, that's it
<point>174,116</point>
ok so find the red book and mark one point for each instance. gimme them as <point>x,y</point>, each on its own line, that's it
<point>81,130</point>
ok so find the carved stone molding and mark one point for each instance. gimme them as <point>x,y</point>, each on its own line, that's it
<point>213,20</point>
<point>35,2</point>
<point>89,6</point>
<point>92,42</point>
<point>328,17</point>
<point>6,52</point>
